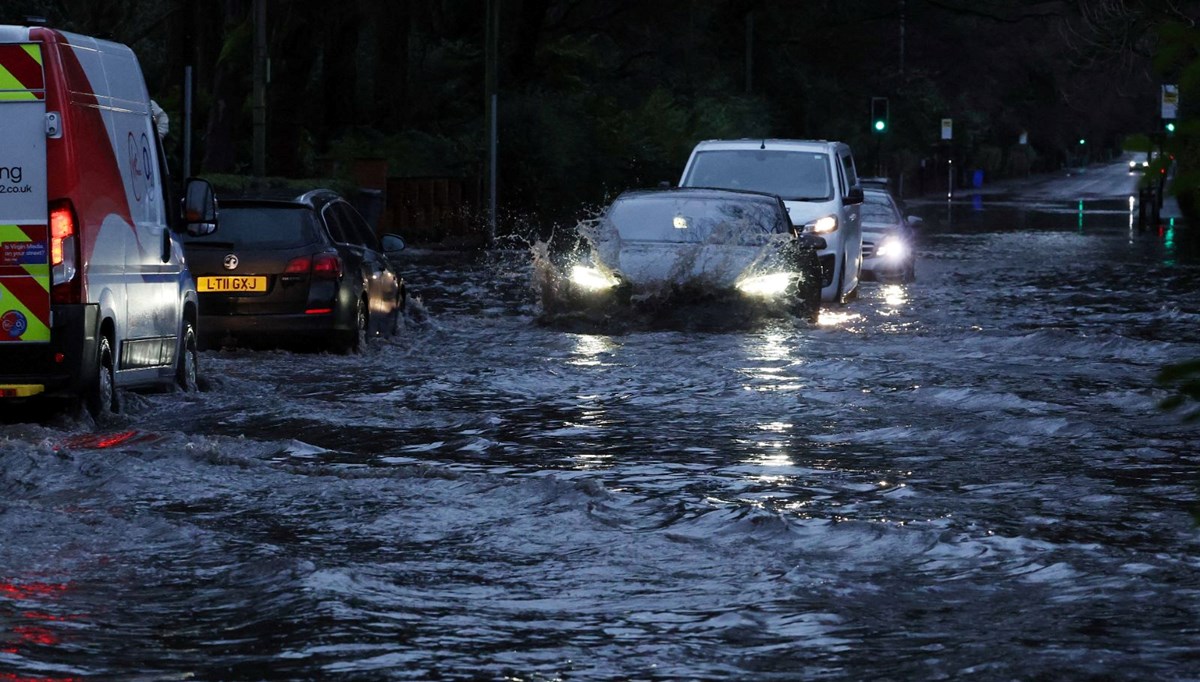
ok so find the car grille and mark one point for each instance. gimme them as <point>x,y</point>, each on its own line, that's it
<point>868,249</point>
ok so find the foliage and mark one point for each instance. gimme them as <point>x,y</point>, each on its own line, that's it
<point>230,185</point>
<point>1180,59</point>
<point>596,96</point>
<point>1184,380</point>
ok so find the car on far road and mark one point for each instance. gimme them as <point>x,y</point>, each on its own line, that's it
<point>888,237</point>
<point>307,269</point>
<point>661,251</point>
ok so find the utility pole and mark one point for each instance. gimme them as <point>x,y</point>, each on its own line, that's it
<point>491,78</point>
<point>260,88</point>
<point>749,51</point>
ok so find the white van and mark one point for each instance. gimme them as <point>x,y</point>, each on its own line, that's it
<point>818,183</point>
<point>94,292</point>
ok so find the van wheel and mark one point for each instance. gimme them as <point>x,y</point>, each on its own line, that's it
<point>852,295</point>
<point>839,295</point>
<point>187,367</point>
<point>101,397</point>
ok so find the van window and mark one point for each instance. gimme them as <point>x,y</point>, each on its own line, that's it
<point>849,171</point>
<point>793,175</point>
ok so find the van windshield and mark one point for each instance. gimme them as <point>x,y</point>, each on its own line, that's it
<point>796,176</point>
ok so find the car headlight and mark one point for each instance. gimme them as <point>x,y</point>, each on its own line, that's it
<point>822,225</point>
<point>765,285</point>
<point>592,279</point>
<point>892,248</point>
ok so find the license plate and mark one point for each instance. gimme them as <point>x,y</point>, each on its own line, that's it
<point>231,284</point>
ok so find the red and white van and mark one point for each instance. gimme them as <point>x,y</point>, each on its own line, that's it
<point>94,291</point>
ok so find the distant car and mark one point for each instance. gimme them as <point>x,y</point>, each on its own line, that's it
<point>658,250</point>
<point>305,269</point>
<point>888,238</point>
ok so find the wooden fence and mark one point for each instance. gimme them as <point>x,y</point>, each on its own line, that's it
<point>435,210</point>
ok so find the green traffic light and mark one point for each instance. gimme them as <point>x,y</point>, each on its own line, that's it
<point>880,126</point>
<point>1082,141</point>
<point>1171,127</point>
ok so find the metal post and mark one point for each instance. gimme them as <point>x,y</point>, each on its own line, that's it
<point>187,122</point>
<point>260,88</point>
<point>491,56</point>
<point>749,52</point>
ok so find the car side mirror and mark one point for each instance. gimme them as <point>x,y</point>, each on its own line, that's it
<point>392,243</point>
<point>915,221</point>
<point>199,208</point>
<point>855,195</point>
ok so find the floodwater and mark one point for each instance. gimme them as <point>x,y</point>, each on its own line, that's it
<point>968,476</point>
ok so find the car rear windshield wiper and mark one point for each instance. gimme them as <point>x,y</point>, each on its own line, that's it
<point>806,198</point>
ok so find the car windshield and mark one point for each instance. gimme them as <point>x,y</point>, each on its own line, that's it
<point>670,218</point>
<point>877,209</point>
<point>266,227</point>
<point>793,175</point>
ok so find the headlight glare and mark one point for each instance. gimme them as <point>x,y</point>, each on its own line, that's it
<point>765,285</point>
<point>823,225</point>
<point>592,279</point>
<point>892,248</point>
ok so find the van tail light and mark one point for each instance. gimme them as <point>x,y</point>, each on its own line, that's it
<point>67,286</point>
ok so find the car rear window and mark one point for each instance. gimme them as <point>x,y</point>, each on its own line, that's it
<point>268,227</point>
<point>792,175</point>
<point>675,219</point>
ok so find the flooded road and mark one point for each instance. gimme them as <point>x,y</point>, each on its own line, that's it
<point>964,476</point>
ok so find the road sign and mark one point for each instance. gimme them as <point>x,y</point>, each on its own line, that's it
<point>1170,100</point>
<point>947,128</point>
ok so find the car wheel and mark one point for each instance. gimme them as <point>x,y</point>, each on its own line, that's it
<point>356,340</point>
<point>187,367</point>
<point>101,398</point>
<point>810,298</point>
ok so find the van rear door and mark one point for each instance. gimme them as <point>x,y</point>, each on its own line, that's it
<point>25,245</point>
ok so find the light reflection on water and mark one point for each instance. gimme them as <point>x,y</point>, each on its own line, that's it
<point>790,501</point>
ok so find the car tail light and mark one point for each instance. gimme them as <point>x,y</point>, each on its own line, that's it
<point>327,266</point>
<point>320,266</point>
<point>64,254</point>
<point>298,266</point>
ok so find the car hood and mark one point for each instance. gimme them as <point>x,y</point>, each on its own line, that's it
<point>802,212</point>
<point>654,266</point>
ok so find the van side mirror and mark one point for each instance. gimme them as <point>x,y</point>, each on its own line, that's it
<point>199,208</point>
<point>855,195</point>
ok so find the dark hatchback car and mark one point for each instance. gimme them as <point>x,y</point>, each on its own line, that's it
<point>294,271</point>
<point>663,251</point>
